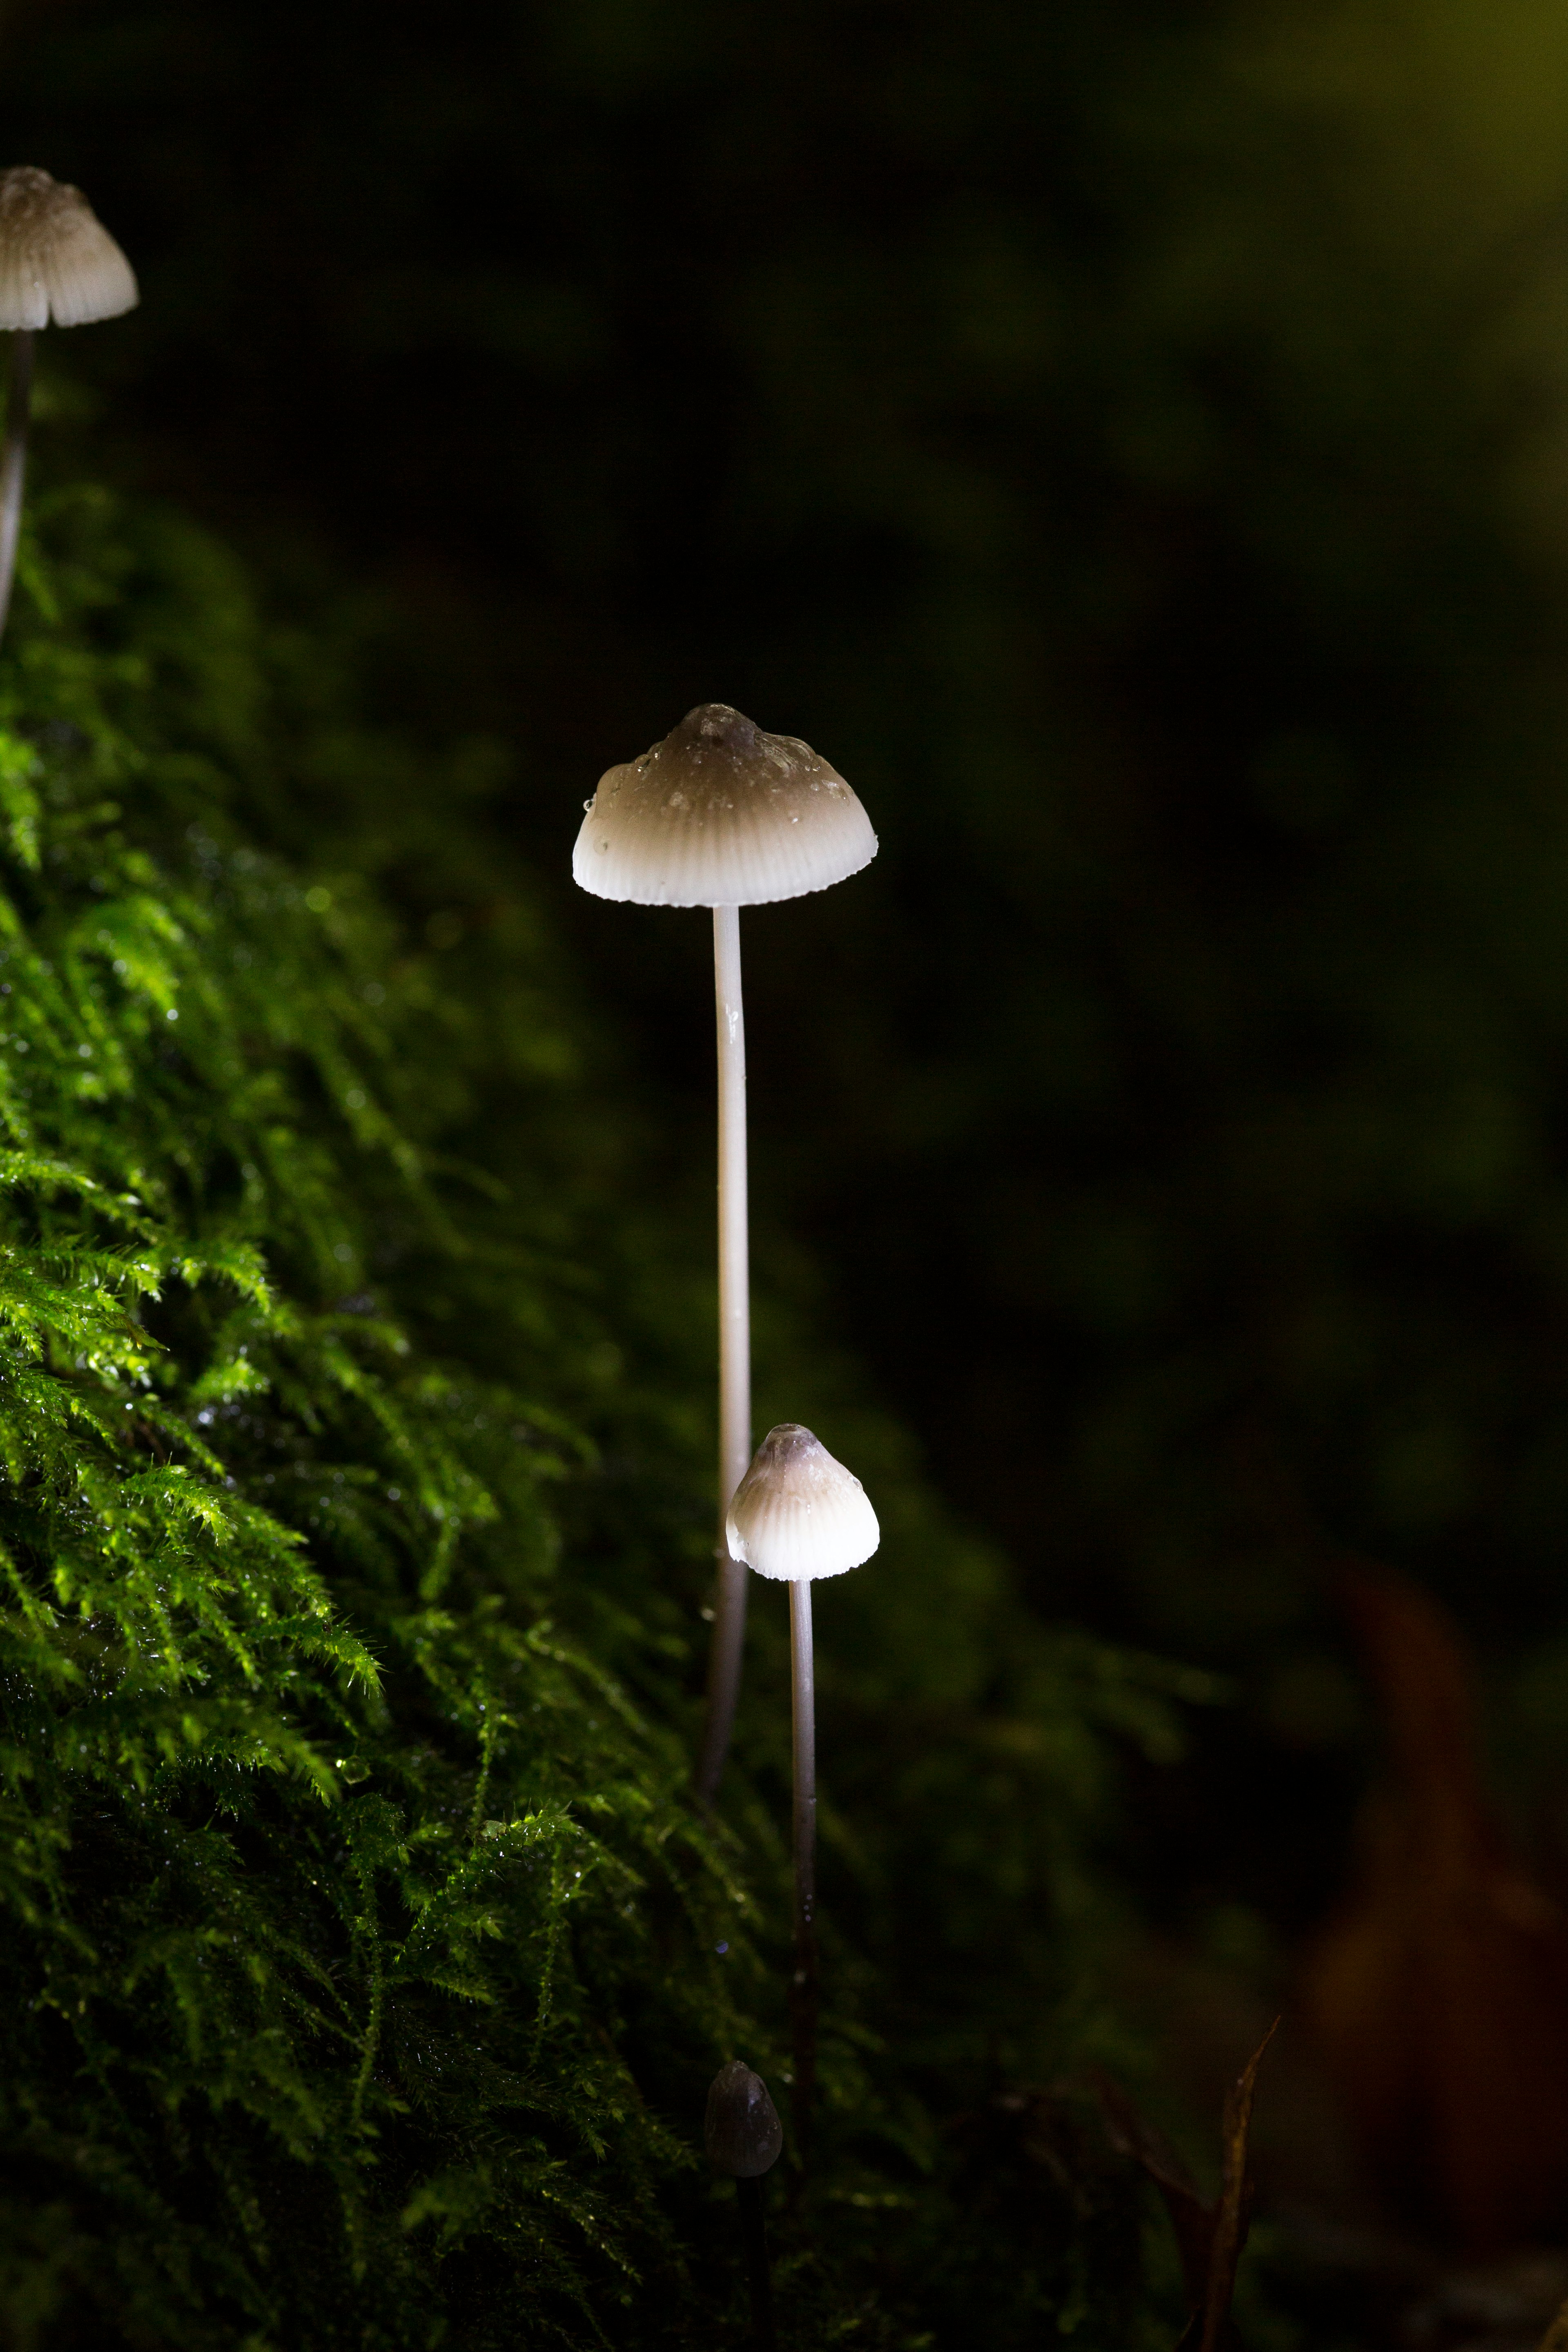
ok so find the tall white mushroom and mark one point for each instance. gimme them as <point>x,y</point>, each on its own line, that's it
<point>799,1514</point>
<point>59,263</point>
<point>720,814</point>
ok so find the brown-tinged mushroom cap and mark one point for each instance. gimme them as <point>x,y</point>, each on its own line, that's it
<point>799,1514</point>
<point>743,2135</point>
<point>720,814</point>
<point>57,260</point>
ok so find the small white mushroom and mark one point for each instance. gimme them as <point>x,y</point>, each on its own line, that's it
<point>59,265</point>
<point>797,1513</point>
<point>720,814</point>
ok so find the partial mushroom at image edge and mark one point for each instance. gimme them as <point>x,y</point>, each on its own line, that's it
<point>57,265</point>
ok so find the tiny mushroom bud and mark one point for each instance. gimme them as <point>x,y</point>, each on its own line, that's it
<point>799,1514</point>
<point>744,2136</point>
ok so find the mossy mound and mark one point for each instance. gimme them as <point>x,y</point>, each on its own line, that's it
<point>366,1960</point>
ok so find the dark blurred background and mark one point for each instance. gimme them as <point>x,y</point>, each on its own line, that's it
<point>1132,442</point>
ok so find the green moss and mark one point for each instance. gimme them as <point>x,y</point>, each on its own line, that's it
<point>365,1962</point>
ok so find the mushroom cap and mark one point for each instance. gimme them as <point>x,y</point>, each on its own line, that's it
<point>744,2133</point>
<point>720,814</point>
<point>57,260</point>
<point>797,1513</point>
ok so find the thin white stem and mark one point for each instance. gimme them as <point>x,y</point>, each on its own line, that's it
<point>14,462</point>
<point>734,1349</point>
<point>803,1987</point>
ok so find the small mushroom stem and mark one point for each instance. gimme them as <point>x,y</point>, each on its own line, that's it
<point>754,2239</point>
<point>804,1983</point>
<point>734,1349</point>
<point>14,462</point>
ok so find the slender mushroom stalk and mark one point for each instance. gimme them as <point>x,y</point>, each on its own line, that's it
<point>744,2137</point>
<point>57,262</point>
<point>799,1514</point>
<point>14,462</point>
<point>805,1980</point>
<point>734,1346</point>
<point>720,814</point>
